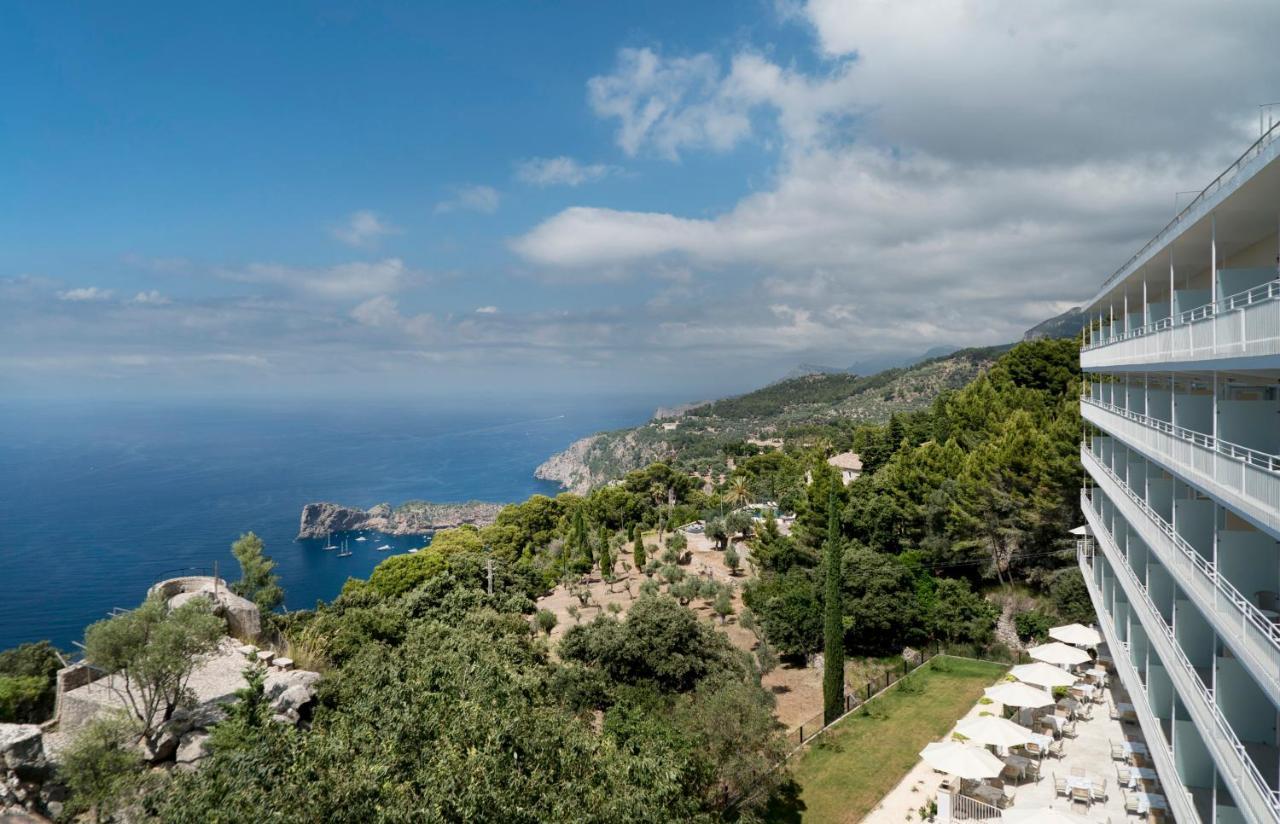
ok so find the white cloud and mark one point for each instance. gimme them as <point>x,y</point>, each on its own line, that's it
<point>486,310</point>
<point>340,282</point>
<point>150,298</point>
<point>561,171</point>
<point>483,199</point>
<point>363,229</point>
<point>85,293</point>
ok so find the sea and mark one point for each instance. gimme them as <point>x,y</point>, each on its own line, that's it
<point>100,500</point>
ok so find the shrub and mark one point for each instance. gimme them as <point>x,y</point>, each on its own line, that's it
<point>1032,624</point>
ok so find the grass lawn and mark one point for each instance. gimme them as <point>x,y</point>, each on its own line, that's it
<point>842,775</point>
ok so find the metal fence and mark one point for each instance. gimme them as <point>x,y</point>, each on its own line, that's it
<point>964,808</point>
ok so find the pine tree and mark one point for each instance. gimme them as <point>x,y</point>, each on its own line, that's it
<point>258,581</point>
<point>637,551</point>
<point>833,626</point>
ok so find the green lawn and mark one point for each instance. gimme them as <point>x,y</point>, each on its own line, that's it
<point>845,772</point>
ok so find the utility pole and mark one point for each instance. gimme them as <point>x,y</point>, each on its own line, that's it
<point>215,579</point>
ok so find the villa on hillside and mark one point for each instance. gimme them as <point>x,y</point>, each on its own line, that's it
<point>849,464</point>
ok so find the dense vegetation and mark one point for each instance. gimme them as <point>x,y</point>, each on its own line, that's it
<point>979,488</point>
<point>26,683</point>
<point>445,698</point>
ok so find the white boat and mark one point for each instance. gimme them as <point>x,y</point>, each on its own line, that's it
<point>384,547</point>
<point>415,549</point>
<point>329,541</point>
<point>362,538</point>
<point>345,553</point>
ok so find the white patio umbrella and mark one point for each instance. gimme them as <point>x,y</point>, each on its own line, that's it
<point>1058,653</point>
<point>961,760</point>
<point>1081,530</point>
<point>1041,674</point>
<point>1043,816</point>
<point>1018,694</point>
<point>999,732</point>
<point>1077,634</point>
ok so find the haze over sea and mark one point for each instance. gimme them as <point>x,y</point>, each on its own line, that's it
<point>97,502</point>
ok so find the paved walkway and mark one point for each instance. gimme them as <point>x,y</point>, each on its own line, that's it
<point>1089,751</point>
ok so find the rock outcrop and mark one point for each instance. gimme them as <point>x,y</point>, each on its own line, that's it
<point>242,616</point>
<point>606,456</point>
<point>411,518</point>
<point>23,773</point>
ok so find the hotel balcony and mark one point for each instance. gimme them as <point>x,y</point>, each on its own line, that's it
<point>1241,477</point>
<point>1205,706</point>
<point>1241,331</point>
<point>1213,576</point>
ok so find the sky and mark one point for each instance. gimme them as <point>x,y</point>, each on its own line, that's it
<point>678,198</point>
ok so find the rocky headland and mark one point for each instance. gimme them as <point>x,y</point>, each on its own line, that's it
<point>412,518</point>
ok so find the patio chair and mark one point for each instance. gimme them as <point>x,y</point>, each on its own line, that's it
<point>1006,800</point>
<point>1077,772</point>
<point>1069,730</point>
<point>1055,749</point>
<point>1033,750</point>
<point>1059,785</point>
<point>1131,803</point>
<point>1082,795</point>
<point>1113,712</point>
<point>1033,771</point>
<point>1123,776</point>
<point>1086,712</point>
<point>1099,790</point>
<point>1117,751</point>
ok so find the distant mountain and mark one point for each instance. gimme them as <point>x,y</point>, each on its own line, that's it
<point>1067,325</point>
<point>870,366</point>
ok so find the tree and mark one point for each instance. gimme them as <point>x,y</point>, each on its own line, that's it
<point>833,622</point>
<point>152,651</point>
<point>788,610</point>
<point>546,621</point>
<point>1071,597</point>
<point>766,658</point>
<point>718,531</point>
<point>960,614</point>
<point>739,523</point>
<point>100,767</point>
<point>258,582</point>
<point>637,551</point>
<point>739,492</point>
<point>731,559</point>
<point>881,605</point>
<point>723,605</point>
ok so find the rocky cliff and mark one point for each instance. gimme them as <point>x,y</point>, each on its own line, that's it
<point>597,459</point>
<point>412,518</point>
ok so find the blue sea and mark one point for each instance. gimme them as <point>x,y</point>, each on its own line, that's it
<point>98,501</point>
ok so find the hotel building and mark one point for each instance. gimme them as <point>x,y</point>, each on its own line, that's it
<point>1181,449</point>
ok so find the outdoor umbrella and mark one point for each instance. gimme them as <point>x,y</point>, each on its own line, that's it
<point>961,760</point>
<point>1043,675</point>
<point>999,732</point>
<point>1081,530</point>
<point>1077,634</point>
<point>1049,816</point>
<point>1058,653</point>
<point>1018,694</point>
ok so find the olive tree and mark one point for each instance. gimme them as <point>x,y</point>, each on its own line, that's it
<point>151,652</point>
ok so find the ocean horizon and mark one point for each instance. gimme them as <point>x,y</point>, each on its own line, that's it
<point>103,499</point>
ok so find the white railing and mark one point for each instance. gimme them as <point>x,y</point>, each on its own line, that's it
<point>1246,479</point>
<point>1174,226</point>
<point>1194,691</point>
<point>1269,291</point>
<point>1248,631</point>
<point>1179,796</point>
<point>966,808</point>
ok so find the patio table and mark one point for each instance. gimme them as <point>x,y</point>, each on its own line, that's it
<point>1085,689</point>
<point>1134,747</point>
<point>1079,782</point>
<point>1096,672</point>
<point>1019,763</point>
<point>988,794</point>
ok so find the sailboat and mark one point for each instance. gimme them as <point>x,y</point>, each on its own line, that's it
<point>345,552</point>
<point>329,541</point>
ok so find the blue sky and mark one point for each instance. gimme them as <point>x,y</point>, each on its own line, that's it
<point>684,198</point>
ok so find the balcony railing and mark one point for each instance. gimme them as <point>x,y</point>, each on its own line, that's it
<point>1246,324</point>
<point>1229,752</point>
<point>1180,798</point>
<point>1237,619</point>
<point>1246,479</point>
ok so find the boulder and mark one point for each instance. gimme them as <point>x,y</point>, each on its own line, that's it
<point>194,747</point>
<point>276,683</point>
<point>21,747</point>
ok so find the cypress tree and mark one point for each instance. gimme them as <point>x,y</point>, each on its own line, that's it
<point>833,624</point>
<point>637,551</point>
